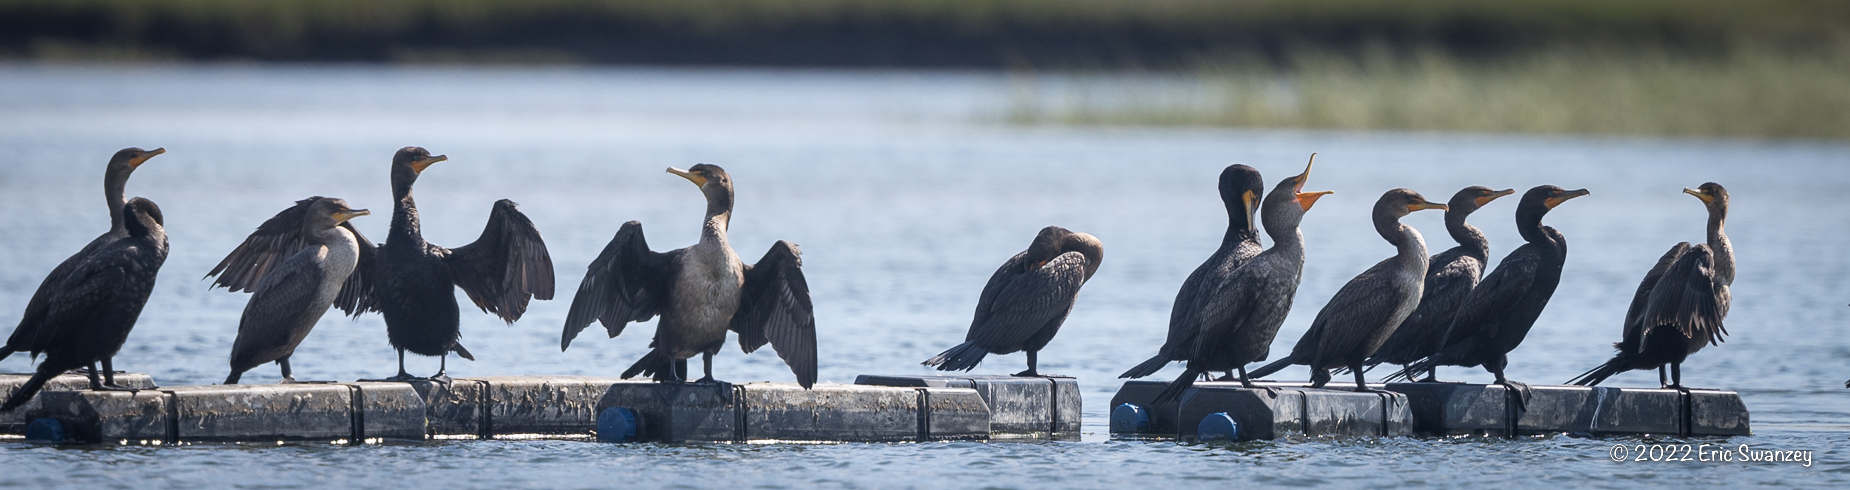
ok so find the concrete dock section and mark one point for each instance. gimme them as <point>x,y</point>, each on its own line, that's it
<point>15,421</point>
<point>1429,409</point>
<point>1045,407</point>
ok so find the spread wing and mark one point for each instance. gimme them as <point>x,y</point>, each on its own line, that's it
<point>1686,296</point>
<point>356,295</point>
<point>274,241</point>
<point>625,283</point>
<point>1015,306</point>
<point>1634,315</point>
<point>1502,290</point>
<point>504,268</point>
<point>774,307</point>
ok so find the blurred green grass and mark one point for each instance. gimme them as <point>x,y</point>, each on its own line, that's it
<point>1746,91</point>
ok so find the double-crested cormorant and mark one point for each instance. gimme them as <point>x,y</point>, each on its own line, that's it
<point>1026,300</point>
<point>115,178</point>
<point>1500,310</point>
<point>294,266</point>
<point>700,292</point>
<point>1450,275</point>
<point>410,281</point>
<point>1237,328</point>
<point>91,310</point>
<point>1241,191</point>
<point>1369,307</point>
<point>1681,303</point>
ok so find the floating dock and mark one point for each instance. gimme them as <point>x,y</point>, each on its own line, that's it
<point>1225,410</point>
<point>878,408</point>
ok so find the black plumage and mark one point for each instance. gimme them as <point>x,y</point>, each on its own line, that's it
<point>1241,191</point>
<point>410,279</point>
<point>90,313</point>
<point>1450,276</point>
<point>1238,326</point>
<point>296,265</point>
<point>115,179</point>
<point>1498,313</point>
<point>1026,300</point>
<point>1367,309</point>
<point>701,292</point>
<point>1679,306</point>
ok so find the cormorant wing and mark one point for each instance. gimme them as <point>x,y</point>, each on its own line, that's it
<point>625,283</point>
<point>276,304</point>
<point>1686,296</point>
<point>1500,291</point>
<point>774,307</point>
<point>356,295</point>
<point>1015,306</point>
<point>1357,311</point>
<point>275,240</point>
<point>24,336</point>
<point>504,268</point>
<point>102,286</point>
<point>1634,315</point>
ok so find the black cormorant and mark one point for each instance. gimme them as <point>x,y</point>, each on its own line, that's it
<point>700,292</point>
<point>410,280</point>
<point>295,265</point>
<point>90,312</point>
<point>1369,307</point>
<point>1241,191</point>
<point>1450,275</point>
<point>1238,327</point>
<point>1500,310</point>
<point>1026,300</point>
<point>115,178</point>
<point>1681,303</point>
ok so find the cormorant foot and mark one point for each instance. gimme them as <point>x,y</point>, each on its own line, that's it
<point>110,387</point>
<point>442,379</point>
<point>401,377</point>
<point>1028,374</point>
<point>1522,394</point>
<point>1231,377</point>
<point>708,379</point>
<point>293,381</point>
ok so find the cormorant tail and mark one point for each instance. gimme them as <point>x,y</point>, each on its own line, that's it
<point>963,357</point>
<point>233,378</point>
<point>1180,385</point>
<point>1148,367</point>
<point>650,364</point>
<point>6,352</point>
<point>1274,367</point>
<point>1594,376</point>
<point>26,391</point>
<point>461,352</point>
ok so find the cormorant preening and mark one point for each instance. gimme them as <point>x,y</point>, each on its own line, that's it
<point>1237,328</point>
<point>700,292</point>
<point>1500,310</point>
<point>1369,307</point>
<point>1681,303</point>
<point>1241,191</point>
<point>295,265</point>
<point>91,310</point>
<point>1026,300</point>
<point>115,178</point>
<point>410,280</point>
<point>1450,275</point>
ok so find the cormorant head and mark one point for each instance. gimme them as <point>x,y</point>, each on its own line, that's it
<point>1713,196</point>
<point>1288,202</point>
<point>143,217</point>
<point>1046,246</point>
<point>1471,198</point>
<point>133,157</point>
<point>713,182</point>
<point>1537,202</point>
<point>1241,189</point>
<point>328,212</point>
<point>1396,203</point>
<point>411,161</point>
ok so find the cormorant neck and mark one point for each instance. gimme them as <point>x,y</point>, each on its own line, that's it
<point>1466,235</point>
<point>1722,248</point>
<point>1407,242</point>
<point>404,213</point>
<point>114,180</point>
<point>1529,224</point>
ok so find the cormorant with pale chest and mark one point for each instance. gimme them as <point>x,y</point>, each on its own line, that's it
<point>1450,276</point>
<point>295,266</point>
<point>1681,303</point>
<point>1238,327</point>
<point>700,292</point>
<point>115,178</point>
<point>411,280</point>
<point>1026,300</point>
<point>1499,312</point>
<point>1241,191</point>
<point>90,311</point>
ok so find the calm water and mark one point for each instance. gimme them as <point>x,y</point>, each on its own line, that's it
<point>904,200</point>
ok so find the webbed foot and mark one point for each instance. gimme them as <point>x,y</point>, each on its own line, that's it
<point>1523,392</point>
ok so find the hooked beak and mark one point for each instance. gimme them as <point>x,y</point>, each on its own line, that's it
<point>1426,205</point>
<point>698,180</point>
<point>420,165</point>
<point>343,216</point>
<point>1246,199</point>
<point>1557,200</point>
<point>145,156</point>
<point>1308,199</point>
<point>1305,177</point>
<point>1704,196</point>
<point>1486,199</point>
